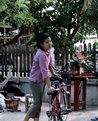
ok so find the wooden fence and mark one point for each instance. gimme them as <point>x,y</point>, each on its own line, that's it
<point>21,58</point>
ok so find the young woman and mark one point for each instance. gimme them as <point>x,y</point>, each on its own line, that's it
<point>42,63</point>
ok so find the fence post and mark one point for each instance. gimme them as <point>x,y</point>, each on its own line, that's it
<point>13,60</point>
<point>62,58</point>
<point>21,61</point>
<point>66,49</point>
<point>2,61</point>
<point>85,50</point>
<point>94,54</point>
<point>5,59</point>
<point>26,55</point>
<point>28,65</point>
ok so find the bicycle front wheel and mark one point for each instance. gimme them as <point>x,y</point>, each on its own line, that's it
<point>63,107</point>
<point>57,114</point>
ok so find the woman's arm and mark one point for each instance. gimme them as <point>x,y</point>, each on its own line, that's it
<point>44,70</point>
<point>53,72</point>
<point>48,82</point>
<point>50,88</point>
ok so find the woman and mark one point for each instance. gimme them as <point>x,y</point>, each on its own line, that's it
<point>40,75</point>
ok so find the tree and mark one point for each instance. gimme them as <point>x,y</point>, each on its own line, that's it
<point>16,14</point>
<point>90,21</point>
<point>63,21</point>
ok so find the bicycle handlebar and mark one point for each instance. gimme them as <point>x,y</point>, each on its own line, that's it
<point>55,92</point>
<point>56,78</point>
<point>58,70</point>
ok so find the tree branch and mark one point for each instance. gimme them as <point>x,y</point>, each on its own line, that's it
<point>77,27</point>
<point>2,15</point>
<point>15,39</point>
<point>74,32</point>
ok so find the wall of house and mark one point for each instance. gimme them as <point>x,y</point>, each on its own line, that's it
<point>91,92</point>
<point>91,95</point>
<point>91,39</point>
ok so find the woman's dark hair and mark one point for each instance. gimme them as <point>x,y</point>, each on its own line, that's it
<point>41,40</point>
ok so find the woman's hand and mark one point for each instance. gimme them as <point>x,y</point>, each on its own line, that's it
<point>55,74</point>
<point>51,89</point>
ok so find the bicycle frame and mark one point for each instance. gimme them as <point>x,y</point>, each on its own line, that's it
<point>53,105</point>
<point>54,99</point>
<point>59,99</point>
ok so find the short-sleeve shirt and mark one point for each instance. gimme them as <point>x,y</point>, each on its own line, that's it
<point>40,68</point>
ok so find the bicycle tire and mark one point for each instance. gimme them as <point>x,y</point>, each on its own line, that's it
<point>56,117</point>
<point>63,107</point>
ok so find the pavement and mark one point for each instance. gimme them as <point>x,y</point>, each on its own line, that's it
<point>81,115</point>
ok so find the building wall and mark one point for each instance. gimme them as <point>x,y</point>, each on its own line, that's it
<point>91,95</point>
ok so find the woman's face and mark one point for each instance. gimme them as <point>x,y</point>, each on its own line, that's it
<point>47,44</point>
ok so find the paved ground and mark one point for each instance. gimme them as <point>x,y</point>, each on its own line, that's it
<point>82,115</point>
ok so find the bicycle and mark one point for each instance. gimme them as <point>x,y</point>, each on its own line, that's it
<point>58,100</point>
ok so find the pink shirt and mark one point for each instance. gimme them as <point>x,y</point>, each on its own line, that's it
<point>41,62</point>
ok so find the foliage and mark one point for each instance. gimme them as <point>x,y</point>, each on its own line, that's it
<point>89,67</point>
<point>89,23</point>
<point>84,61</point>
<point>80,60</point>
<point>96,42</point>
<point>63,21</point>
<point>16,13</point>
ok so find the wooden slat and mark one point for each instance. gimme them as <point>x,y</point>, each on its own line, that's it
<point>2,62</point>
<point>21,61</point>
<point>66,56</point>
<point>16,63</point>
<point>26,56</point>
<point>9,54</point>
<point>62,59</point>
<point>71,52</point>
<point>85,50</point>
<point>94,55</point>
<point>5,59</point>
<point>13,60</point>
<point>28,63</point>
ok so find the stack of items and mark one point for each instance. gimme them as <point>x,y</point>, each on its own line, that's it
<point>12,103</point>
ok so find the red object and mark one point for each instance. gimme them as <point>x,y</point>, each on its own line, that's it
<point>76,79</point>
<point>69,95</point>
<point>12,104</point>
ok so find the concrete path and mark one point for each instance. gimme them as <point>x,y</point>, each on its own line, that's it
<point>82,115</point>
